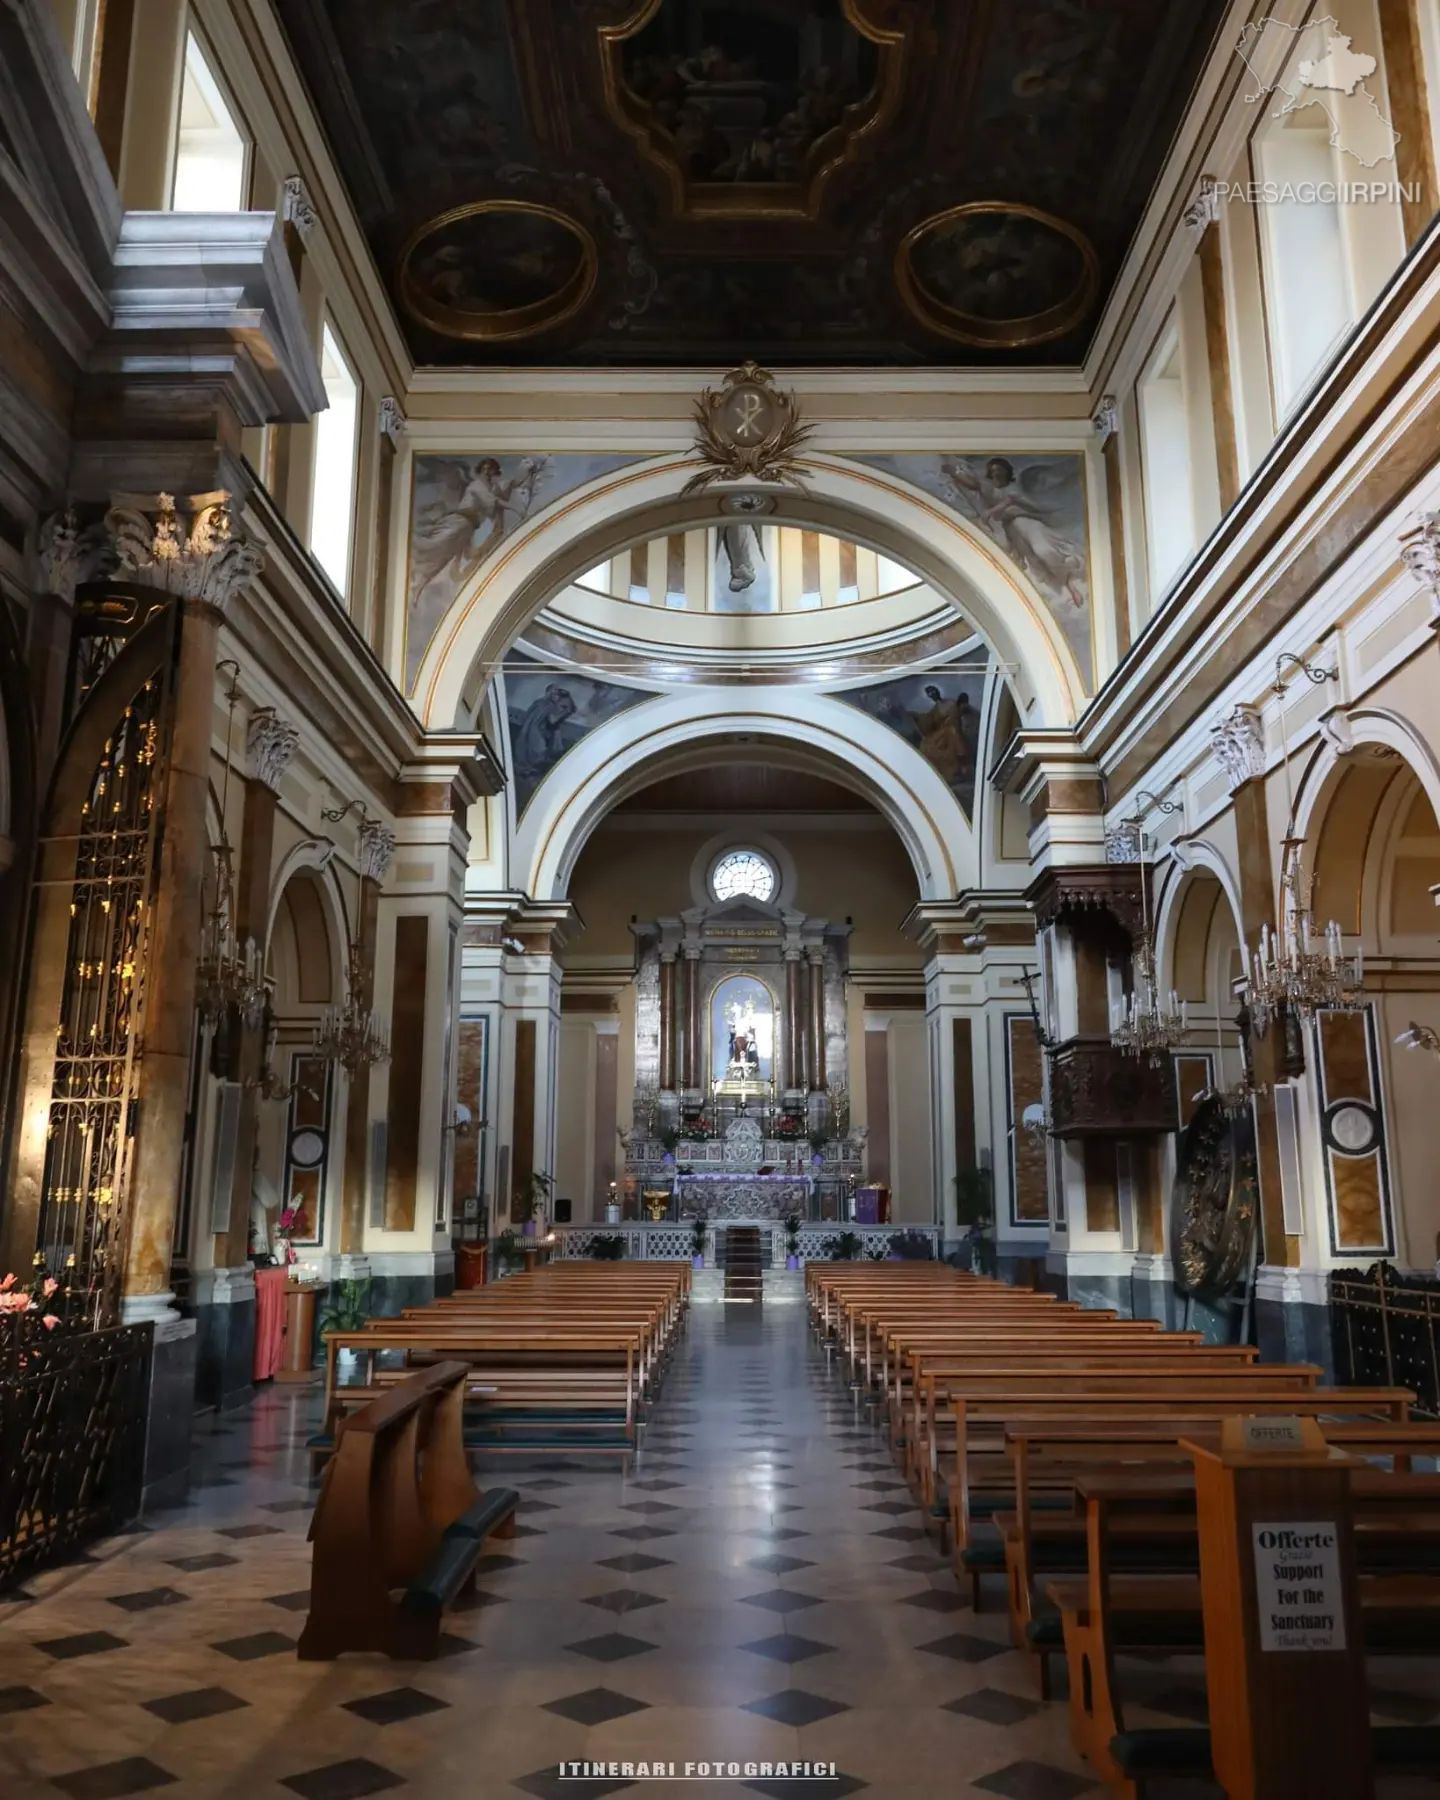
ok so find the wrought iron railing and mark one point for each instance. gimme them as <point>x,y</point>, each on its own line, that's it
<point>1386,1328</point>
<point>72,1439</point>
<point>662,1241</point>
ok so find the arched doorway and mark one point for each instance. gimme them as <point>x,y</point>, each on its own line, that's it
<point>776,892</point>
<point>299,1162</point>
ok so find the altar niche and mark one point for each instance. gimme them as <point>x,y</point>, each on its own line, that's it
<point>743,1013</point>
<point>740,1006</point>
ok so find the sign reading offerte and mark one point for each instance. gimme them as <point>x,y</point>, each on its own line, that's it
<point>1297,1585</point>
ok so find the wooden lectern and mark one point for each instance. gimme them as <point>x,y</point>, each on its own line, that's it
<point>1284,1655</point>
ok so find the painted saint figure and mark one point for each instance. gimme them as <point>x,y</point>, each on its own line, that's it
<point>536,736</point>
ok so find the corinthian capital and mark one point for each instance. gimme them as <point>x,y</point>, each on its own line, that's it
<point>1239,742</point>
<point>201,557</point>
<point>1420,552</point>
<point>270,743</point>
<point>64,555</point>
<point>296,206</point>
<point>376,845</point>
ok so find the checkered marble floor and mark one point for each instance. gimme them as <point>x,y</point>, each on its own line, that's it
<point>758,1585</point>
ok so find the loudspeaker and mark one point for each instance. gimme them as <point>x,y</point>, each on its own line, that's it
<point>562,1212</point>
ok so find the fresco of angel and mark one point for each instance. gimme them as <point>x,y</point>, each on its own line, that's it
<point>1027,515</point>
<point>475,506</point>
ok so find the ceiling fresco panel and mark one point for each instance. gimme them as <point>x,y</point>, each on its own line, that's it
<point>802,181</point>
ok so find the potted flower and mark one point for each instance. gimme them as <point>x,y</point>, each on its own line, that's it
<point>792,1241</point>
<point>291,1220</point>
<point>608,1246</point>
<point>507,1252</point>
<point>845,1247</point>
<point>975,1208</point>
<point>348,1310</point>
<point>530,1200</point>
<point>697,1240</point>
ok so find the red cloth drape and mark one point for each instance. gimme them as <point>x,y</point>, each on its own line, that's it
<point>270,1285</point>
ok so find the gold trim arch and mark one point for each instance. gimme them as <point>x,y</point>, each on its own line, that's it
<point>643,501</point>
<point>675,735</point>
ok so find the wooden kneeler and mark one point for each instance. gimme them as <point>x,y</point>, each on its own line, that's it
<point>400,1524</point>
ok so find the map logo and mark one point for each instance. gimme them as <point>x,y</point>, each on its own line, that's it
<point>1331,75</point>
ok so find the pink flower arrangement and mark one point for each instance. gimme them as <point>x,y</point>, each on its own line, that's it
<point>14,1299</point>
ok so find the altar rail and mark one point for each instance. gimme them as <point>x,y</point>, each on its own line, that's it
<point>666,1242</point>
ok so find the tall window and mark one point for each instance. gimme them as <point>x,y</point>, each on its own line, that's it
<point>1165,450</point>
<point>210,150</point>
<point>1307,299</point>
<point>332,503</point>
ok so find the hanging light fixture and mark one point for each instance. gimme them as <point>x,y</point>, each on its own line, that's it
<point>1145,1023</point>
<point>352,1035</point>
<point>1301,968</point>
<point>229,975</point>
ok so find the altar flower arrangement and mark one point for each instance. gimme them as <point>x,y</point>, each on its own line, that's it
<point>789,1126</point>
<point>700,1130</point>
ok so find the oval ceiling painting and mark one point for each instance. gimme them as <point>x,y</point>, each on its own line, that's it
<point>497,269</point>
<point>997,274</point>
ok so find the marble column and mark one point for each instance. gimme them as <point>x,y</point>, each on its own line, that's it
<point>792,1036</point>
<point>201,568</point>
<point>692,1072</point>
<point>375,847</point>
<point>667,1019</point>
<point>815,1054</point>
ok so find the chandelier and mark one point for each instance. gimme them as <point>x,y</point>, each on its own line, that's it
<point>352,1035</point>
<point>1302,968</point>
<point>1145,1023</point>
<point>229,972</point>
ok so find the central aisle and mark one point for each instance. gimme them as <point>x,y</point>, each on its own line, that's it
<point>758,1586</point>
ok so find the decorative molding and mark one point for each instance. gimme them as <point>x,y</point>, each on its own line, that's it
<point>1106,419</point>
<point>376,846</point>
<point>1096,1090</point>
<point>1420,552</point>
<point>393,423</point>
<point>1122,842</point>
<point>1238,741</point>
<point>1336,730</point>
<point>65,555</point>
<point>1204,209</point>
<point>209,562</point>
<point>747,429</point>
<point>1076,893</point>
<point>296,206</point>
<point>270,743</point>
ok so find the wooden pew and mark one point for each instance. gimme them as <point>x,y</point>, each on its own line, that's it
<point>981,1423</point>
<point>398,1514</point>
<point>575,1391</point>
<point>1106,1613</point>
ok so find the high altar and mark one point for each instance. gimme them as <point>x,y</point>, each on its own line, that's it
<point>741,1065</point>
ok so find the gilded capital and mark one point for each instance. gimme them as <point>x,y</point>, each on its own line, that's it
<point>199,556</point>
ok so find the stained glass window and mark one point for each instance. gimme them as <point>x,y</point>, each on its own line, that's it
<point>743,872</point>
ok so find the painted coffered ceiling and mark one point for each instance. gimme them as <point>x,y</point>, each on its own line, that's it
<point>826,181</point>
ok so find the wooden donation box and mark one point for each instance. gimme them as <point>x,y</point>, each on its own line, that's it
<point>1284,1655</point>
<point>299,1363</point>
